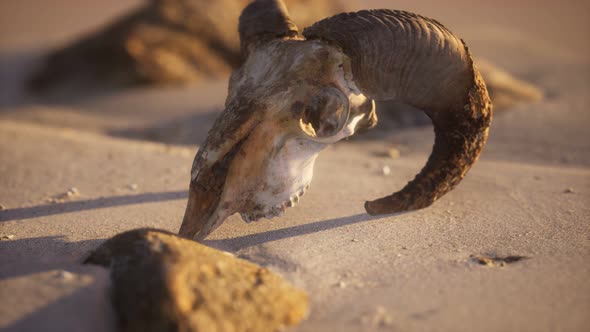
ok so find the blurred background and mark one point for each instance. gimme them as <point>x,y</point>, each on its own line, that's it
<point>158,70</point>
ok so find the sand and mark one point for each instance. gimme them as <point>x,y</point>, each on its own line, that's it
<point>528,196</point>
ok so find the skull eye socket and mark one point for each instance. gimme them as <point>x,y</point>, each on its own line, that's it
<point>325,114</point>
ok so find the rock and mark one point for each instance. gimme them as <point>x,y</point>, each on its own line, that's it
<point>60,198</point>
<point>505,90</point>
<point>7,237</point>
<point>378,318</point>
<point>569,191</point>
<point>64,275</point>
<point>496,261</point>
<point>163,282</point>
<point>162,42</point>
<point>393,153</point>
<point>386,170</point>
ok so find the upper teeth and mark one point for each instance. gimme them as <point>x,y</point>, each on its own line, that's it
<point>274,211</point>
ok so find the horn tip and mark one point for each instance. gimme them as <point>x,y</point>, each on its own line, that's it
<point>371,210</point>
<point>396,204</point>
<point>382,206</point>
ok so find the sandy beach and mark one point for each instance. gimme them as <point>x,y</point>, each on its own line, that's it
<point>78,169</point>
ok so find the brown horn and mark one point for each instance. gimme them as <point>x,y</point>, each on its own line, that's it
<point>406,57</point>
<point>264,20</point>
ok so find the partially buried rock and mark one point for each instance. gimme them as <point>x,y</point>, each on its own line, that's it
<point>505,90</point>
<point>163,282</point>
<point>161,42</point>
<point>69,194</point>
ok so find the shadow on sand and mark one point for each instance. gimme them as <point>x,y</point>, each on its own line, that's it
<point>86,308</point>
<point>33,255</point>
<point>241,242</point>
<point>76,300</point>
<point>97,203</point>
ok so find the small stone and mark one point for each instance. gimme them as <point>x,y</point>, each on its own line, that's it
<point>355,240</point>
<point>65,275</point>
<point>341,284</point>
<point>7,237</point>
<point>72,192</point>
<point>495,261</point>
<point>371,284</point>
<point>133,186</point>
<point>393,153</point>
<point>378,318</point>
<point>383,318</point>
<point>569,191</point>
<point>404,247</point>
<point>2,207</point>
<point>386,170</point>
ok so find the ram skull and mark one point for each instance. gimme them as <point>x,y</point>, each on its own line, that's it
<point>295,94</point>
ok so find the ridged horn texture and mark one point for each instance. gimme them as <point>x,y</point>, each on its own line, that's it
<point>262,21</point>
<point>396,55</point>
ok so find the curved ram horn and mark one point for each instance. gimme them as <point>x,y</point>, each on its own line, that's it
<point>264,20</point>
<point>406,57</point>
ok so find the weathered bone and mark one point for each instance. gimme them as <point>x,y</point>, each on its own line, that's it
<point>292,97</point>
<point>258,160</point>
